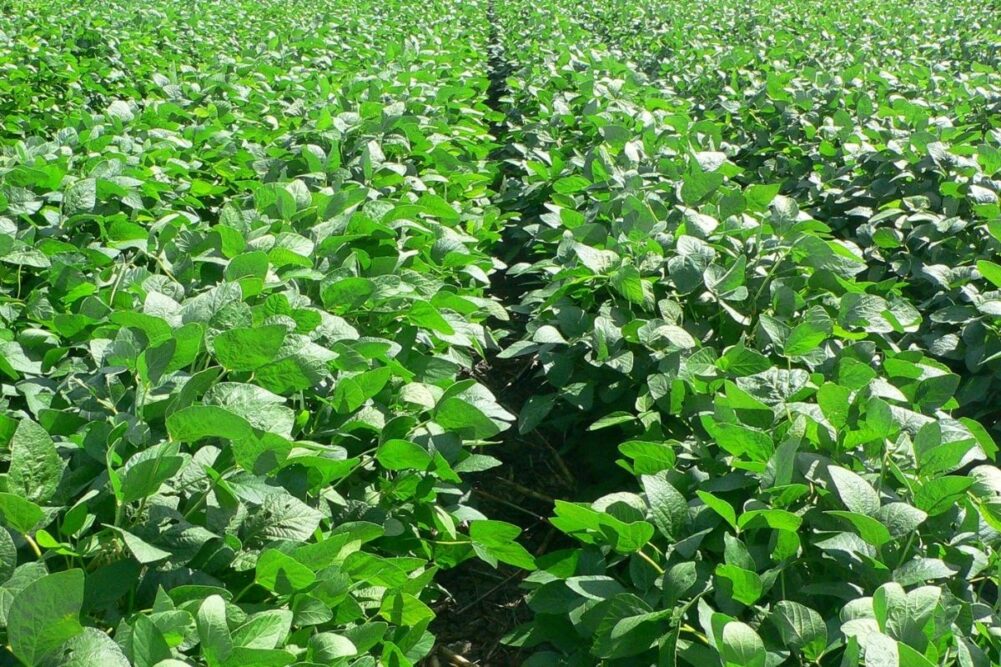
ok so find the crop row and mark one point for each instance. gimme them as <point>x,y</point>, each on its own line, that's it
<point>762,257</point>
<point>244,251</point>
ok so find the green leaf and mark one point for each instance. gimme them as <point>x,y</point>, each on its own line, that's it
<point>869,529</point>
<point>262,409</point>
<point>348,293</point>
<point>438,206</point>
<point>809,334</point>
<point>231,241</point>
<point>143,551</point>
<point>281,516</point>
<point>721,507</point>
<point>193,423</point>
<point>592,526</point>
<point>187,346</point>
<point>648,457</point>
<point>20,514</point>
<point>881,651</point>
<point>698,185</point>
<point>746,586</point>
<point>919,570</point>
<point>741,361</point>
<point>534,411</point>
<point>248,265</point>
<point>944,458</point>
<point>80,197</point>
<point>424,314</point>
<point>92,648</point>
<point>741,441</point>
<point>458,415</point>
<point>570,184</point>
<point>8,556</point>
<point>352,392</point>
<point>628,282</point>
<point>759,197</point>
<point>856,493</point>
<point>146,643</point>
<point>773,518</point>
<point>45,614</point>
<point>625,536</point>
<point>399,454</point>
<point>668,506</point>
<point>740,646</point>
<point>153,362</point>
<point>495,541</point>
<point>990,271</point>
<point>146,472</point>
<point>834,401</point>
<point>248,348</point>
<point>610,420</point>
<point>404,609</point>
<point>35,466</point>
<point>935,392</point>
<point>266,629</point>
<point>905,615</point>
<point>213,632</point>
<point>296,372</point>
<point>262,657</point>
<point>801,628</point>
<point>679,579</point>
<point>202,421</point>
<point>276,201</point>
<point>982,436</point>
<point>900,518</point>
<point>326,648</point>
<point>628,627</point>
<point>595,587</point>
<point>911,658</point>
<point>282,574</point>
<point>939,495</point>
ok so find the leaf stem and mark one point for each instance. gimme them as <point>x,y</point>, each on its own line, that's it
<point>33,544</point>
<point>689,629</point>
<point>907,548</point>
<point>198,503</point>
<point>244,590</point>
<point>451,543</point>
<point>652,562</point>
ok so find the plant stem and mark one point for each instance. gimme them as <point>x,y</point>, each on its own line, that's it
<point>198,503</point>
<point>652,562</point>
<point>492,497</point>
<point>34,545</point>
<point>689,629</point>
<point>907,547</point>
<point>527,491</point>
<point>244,590</point>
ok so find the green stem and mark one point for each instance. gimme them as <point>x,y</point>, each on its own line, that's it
<point>118,280</point>
<point>689,629</point>
<point>907,547</point>
<point>33,544</point>
<point>198,503</point>
<point>450,543</point>
<point>244,590</point>
<point>653,564</point>
<point>364,458</point>
<point>765,281</point>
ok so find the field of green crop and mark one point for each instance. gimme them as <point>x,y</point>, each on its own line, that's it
<point>385,333</point>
